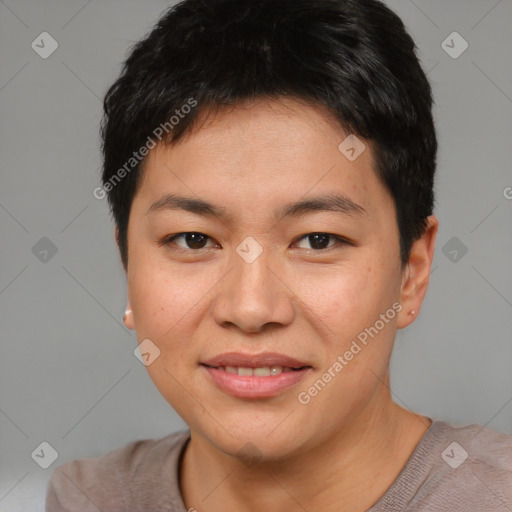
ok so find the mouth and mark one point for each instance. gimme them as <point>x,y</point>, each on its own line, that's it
<point>261,371</point>
<point>255,376</point>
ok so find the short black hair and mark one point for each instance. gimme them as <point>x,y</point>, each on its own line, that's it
<point>354,57</point>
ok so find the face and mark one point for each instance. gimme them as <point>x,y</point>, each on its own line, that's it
<point>257,277</point>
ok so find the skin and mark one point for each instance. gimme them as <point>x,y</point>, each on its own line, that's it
<point>344,448</point>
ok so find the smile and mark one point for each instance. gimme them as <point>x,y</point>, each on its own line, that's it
<point>259,382</point>
<point>262,371</point>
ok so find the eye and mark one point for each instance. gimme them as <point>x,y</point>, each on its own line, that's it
<point>192,239</point>
<point>196,241</point>
<point>319,241</point>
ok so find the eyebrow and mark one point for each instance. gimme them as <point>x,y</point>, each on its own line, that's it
<point>327,203</point>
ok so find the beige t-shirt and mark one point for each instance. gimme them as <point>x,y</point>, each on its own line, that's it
<point>452,469</point>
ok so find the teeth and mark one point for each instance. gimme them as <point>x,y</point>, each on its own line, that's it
<point>264,371</point>
<point>276,370</point>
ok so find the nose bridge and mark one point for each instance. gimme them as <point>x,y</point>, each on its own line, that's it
<point>252,268</point>
<point>251,295</point>
<point>252,280</point>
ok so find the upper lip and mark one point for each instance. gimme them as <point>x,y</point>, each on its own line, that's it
<point>240,359</point>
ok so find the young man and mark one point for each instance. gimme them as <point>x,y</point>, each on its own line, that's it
<point>270,168</point>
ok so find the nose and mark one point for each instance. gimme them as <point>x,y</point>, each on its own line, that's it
<point>253,296</point>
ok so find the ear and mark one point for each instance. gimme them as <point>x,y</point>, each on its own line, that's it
<point>416,273</point>
<point>128,314</point>
<point>128,317</point>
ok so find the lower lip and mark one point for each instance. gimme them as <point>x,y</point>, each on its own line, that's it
<point>255,387</point>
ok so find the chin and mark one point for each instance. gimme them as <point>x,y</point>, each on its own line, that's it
<point>251,443</point>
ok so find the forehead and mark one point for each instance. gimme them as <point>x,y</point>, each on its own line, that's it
<point>255,157</point>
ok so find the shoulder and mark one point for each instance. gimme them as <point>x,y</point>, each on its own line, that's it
<point>475,444</point>
<point>114,480</point>
<point>454,467</point>
<point>470,467</point>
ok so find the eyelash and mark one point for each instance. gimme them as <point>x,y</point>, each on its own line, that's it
<point>167,241</point>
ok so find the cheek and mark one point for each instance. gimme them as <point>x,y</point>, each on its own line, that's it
<point>163,308</point>
<point>346,302</point>
<point>341,296</point>
<point>160,299</point>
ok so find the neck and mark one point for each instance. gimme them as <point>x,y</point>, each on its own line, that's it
<point>352,469</point>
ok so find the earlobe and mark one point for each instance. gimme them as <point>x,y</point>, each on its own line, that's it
<point>417,273</point>
<point>116,235</point>
<point>128,317</point>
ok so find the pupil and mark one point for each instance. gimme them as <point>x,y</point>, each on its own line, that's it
<point>322,237</point>
<point>194,240</point>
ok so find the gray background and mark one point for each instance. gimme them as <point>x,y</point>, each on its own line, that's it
<point>68,375</point>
